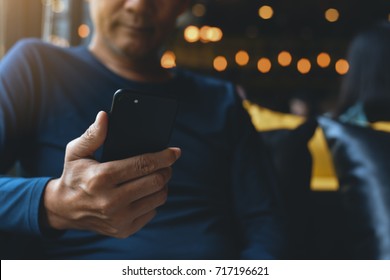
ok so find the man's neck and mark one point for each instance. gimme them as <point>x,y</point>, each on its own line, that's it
<point>141,70</point>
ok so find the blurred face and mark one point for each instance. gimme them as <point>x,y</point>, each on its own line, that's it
<point>134,28</point>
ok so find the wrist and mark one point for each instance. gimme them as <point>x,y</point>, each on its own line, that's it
<point>48,217</point>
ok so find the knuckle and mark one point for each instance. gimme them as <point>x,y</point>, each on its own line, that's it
<point>111,229</point>
<point>162,198</point>
<point>90,132</point>
<point>144,164</point>
<point>159,179</point>
<point>104,207</point>
<point>71,145</point>
<point>98,177</point>
<point>122,233</point>
<point>93,181</point>
<point>104,174</point>
<point>129,231</point>
<point>168,173</point>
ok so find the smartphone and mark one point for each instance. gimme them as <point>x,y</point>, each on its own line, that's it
<point>138,123</point>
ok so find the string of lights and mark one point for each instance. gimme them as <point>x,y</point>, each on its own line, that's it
<point>208,34</point>
<point>254,43</point>
<point>264,64</point>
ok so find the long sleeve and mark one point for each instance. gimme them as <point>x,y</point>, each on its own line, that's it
<point>19,197</point>
<point>20,201</point>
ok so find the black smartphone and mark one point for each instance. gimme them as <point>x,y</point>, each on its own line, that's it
<point>138,123</point>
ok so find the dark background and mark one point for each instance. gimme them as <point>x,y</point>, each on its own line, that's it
<point>298,26</point>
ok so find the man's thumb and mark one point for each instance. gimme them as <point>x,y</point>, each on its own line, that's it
<point>86,145</point>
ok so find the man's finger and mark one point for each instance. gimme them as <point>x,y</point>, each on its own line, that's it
<point>147,204</point>
<point>135,167</point>
<point>140,222</point>
<point>141,187</point>
<point>86,145</point>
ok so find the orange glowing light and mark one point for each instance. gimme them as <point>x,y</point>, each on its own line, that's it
<point>220,63</point>
<point>323,60</point>
<point>168,60</point>
<point>284,58</point>
<point>332,15</point>
<point>83,31</point>
<point>199,10</point>
<point>264,65</point>
<point>242,58</point>
<point>266,12</point>
<point>191,34</point>
<point>342,66</point>
<point>304,66</point>
<point>214,34</point>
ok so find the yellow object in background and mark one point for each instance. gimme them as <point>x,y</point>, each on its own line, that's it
<point>265,119</point>
<point>323,174</point>
<point>382,126</point>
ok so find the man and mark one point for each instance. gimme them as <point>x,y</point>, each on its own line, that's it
<point>220,202</point>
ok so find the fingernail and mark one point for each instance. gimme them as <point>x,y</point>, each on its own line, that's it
<point>98,116</point>
<point>177,152</point>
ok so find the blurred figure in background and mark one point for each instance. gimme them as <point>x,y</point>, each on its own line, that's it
<point>359,146</point>
<point>365,91</point>
<point>299,107</point>
<point>304,104</point>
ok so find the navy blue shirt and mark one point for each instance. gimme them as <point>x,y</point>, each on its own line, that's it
<point>221,197</point>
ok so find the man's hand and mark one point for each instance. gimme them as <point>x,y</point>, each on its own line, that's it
<point>114,198</point>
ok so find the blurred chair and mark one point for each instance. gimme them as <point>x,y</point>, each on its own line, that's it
<point>361,156</point>
<point>313,216</point>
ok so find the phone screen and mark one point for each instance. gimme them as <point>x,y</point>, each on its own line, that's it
<point>139,123</point>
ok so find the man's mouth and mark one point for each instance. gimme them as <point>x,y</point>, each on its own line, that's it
<point>138,28</point>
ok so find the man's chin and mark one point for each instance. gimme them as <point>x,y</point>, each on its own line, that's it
<point>139,51</point>
<point>135,54</point>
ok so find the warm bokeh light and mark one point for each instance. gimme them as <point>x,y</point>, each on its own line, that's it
<point>168,60</point>
<point>59,41</point>
<point>214,34</point>
<point>203,33</point>
<point>191,34</point>
<point>266,12</point>
<point>220,63</point>
<point>342,66</point>
<point>264,65</point>
<point>284,58</point>
<point>58,6</point>
<point>83,31</point>
<point>199,10</point>
<point>332,15</point>
<point>323,60</point>
<point>304,66</point>
<point>46,2</point>
<point>242,58</point>
<point>210,34</point>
